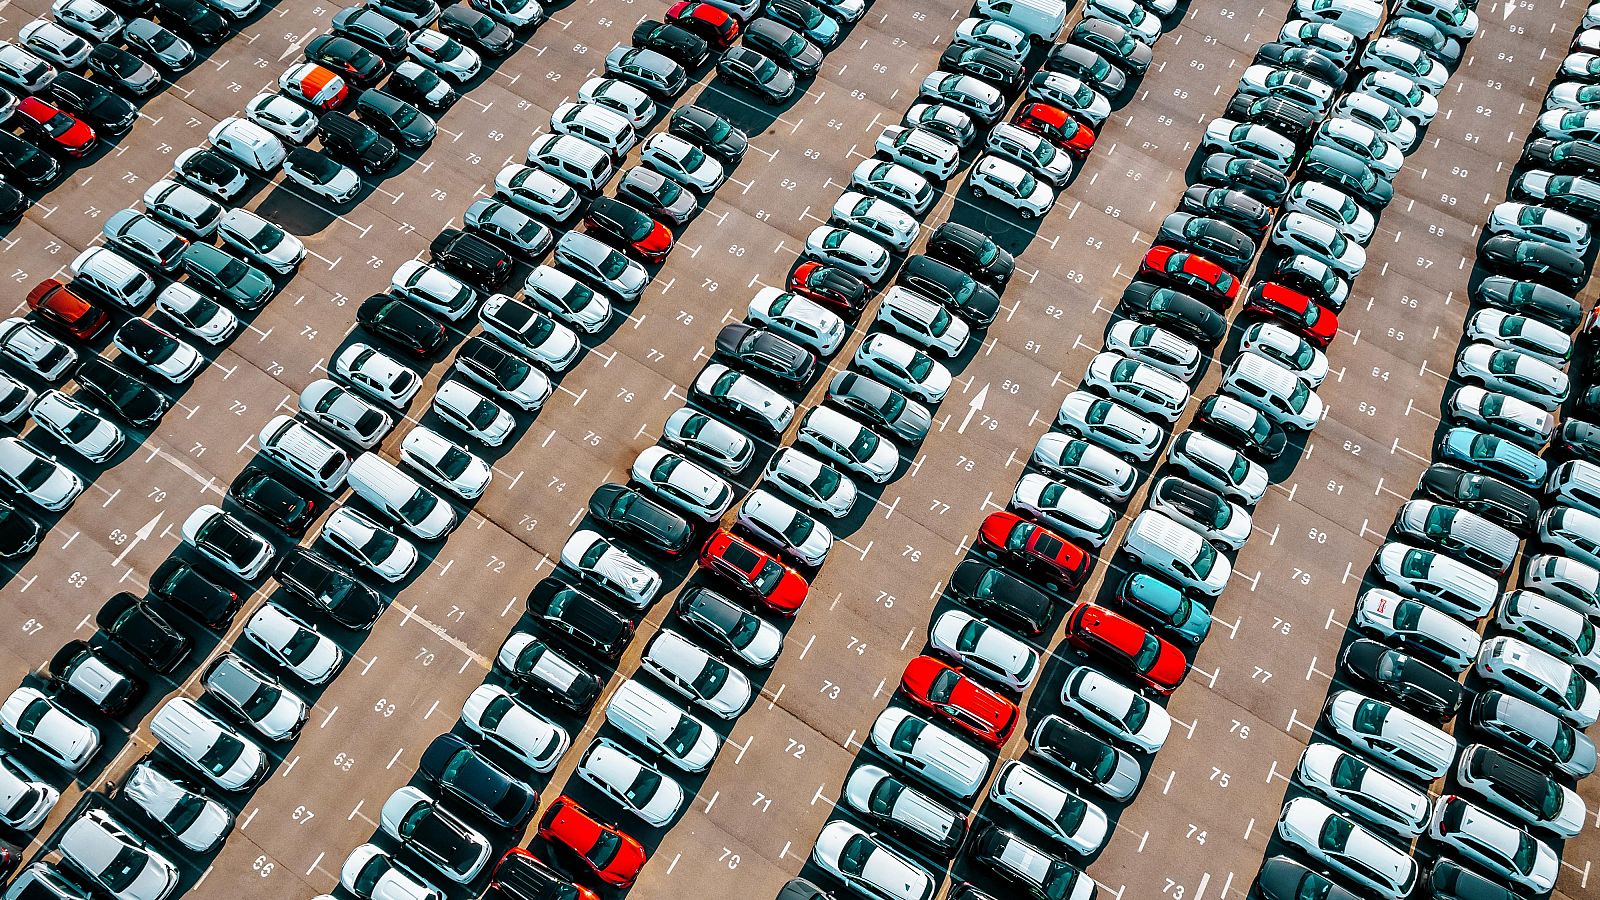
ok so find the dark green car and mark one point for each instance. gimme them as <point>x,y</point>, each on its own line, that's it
<point>227,277</point>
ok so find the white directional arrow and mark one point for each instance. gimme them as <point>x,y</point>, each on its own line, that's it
<point>294,47</point>
<point>143,534</point>
<point>1505,12</point>
<point>973,405</point>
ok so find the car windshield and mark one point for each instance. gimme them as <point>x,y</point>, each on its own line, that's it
<point>1369,717</point>
<point>1149,653</point>
<point>232,273</point>
<point>864,445</point>
<point>379,543</point>
<point>683,737</point>
<point>123,869</point>
<point>1577,687</point>
<point>711,679</point>
<point>1138,713</point>
<point>768,577</point>
<point>1335,832</point>
<point>855,855</point>
<point>1299,394</point>
<point>795,45</point>
<point>943,686</point>
<point>263,237</point>
<point>1527,852</point>
<point>765,70</point>
<point>692,158</point>
<point>419,505</point>
<point>79,426</point>
<point>645,784</point>
<point>606,845</point>
<point>150,344</point>
<point>222,755</point>
<point>1502,362</point>
<point>613,264</point>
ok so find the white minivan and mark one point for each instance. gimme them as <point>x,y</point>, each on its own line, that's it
<point>401,497</point>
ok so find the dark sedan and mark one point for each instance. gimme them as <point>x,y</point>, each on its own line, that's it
<point>1237,208</point>
<point>783,45</point>
<point>984,64</point>
<point>1528,299</point>
<point>1145,301</point>
<point>477,29</point>
<point>1085,64</point>
<point>181,584</point>
<point>463,773</point>
<point>985,588</point>
<point>1483,494</point>
<point>403,325</point>
<point>274,500</point>
<point>766,353</point>
<point>681,44</point>
<point>757,74</point>
<point>324,584</point>
<point>136,627</point>
<point>635,516</point>
<point>1217,240</point>
<point>1309,60</point>
<point>1282,115</point>
<point>972,251</point>
<point>1563,157</point>
<point>1535,261</point>
<point>1113,42</point>
<point>1403,679</point>
<point>128,398</point>
<point>195,19</point>
<point>355,63</point>
<point>1348,173</point>
<point>1282,878</point>
<point>1251,176</point>
<point>102,109</point>
<point>952,288</point>
<point>710,132</point>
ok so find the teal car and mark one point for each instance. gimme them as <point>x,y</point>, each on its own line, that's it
<point>1166,607</point>
<point>227,277</point>
<point>1493,456</point>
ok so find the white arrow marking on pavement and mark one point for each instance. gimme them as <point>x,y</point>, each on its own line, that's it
<point>972,408</point>
<point>142,534</point>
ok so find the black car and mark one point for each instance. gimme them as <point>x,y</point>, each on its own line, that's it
<point>477,29</point>
<point>783,45</point>
<point>519,875</point>
<point>721,621</point>
<point>1309,60</point>
<point>394,117</point>
<point>1524,298</point>
<point>1348,173</point>
<point>488,362</point>
<point>1449,880</point>
<point>1281,878</point>
<point>983,587</point>
<point>1515,782</point>
<point>463,773</point>
<point>1214,239</point>
<point>1282,115</point>
<point>356,142</point>
<point>1111,41</point>
<point>181,584</point>
<point>1145,301</point>
<point>326,585</point>
<point>1577,439</point>
<point>19,533</point>
<point>1402,679</point>
<point>26,164</point>
<point>278,502</point>
<point>124,70</point>
<point>373,30</point>
<point>1080,754</point>
<point>403,325</point>
<point>422,86</point>
<point>635,516</point>
<point>125,396</point>
<point>1535,261</point>
<point>88,673</point>
<point>984,64</point>
<point>619,224</point>
<point>1238,209</point>
<point>1562,157</point>
<point>580,618</point>
<point>973,252</point>
<point>104,111</point>
<point>1487,496</point>
<point>136,627</point>
<point>533,665</point>
<point>682,45</point>
<point>761,351</point>
<point>1251,176</point>
<point>195,19</point>
<point>13,203</point>
<point>211,172</point>
<point>1087,66</point>
<point>710,132</point>
<point>474,258</point>
<point>356,64</point>
<point>801,889</point>
<point>833,287</point>
<point>1259,436</point>
<point>1191,500</point>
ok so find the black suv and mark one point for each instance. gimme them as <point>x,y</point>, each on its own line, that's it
<point>575,615</point>
<point>136,627</point>
<point>361,67</point>
<point>22,162</point>
<point>326,585</point>
<point>680,44</point>
<point>765,353</point>
<point>130,399</point>
<point>277,502</point>
<point>181,584</point>
<point>373,30</point>
<point>472,257</point>
<point>403,325</point>
<point>636,516</point>
<point>951,288</point>
<point>356,142</point>
<point>973,252</point>
<point>102,109</point>
<point>978,585</point>
<point>396,118</point>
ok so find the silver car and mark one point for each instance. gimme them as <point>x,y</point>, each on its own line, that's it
<point>1523,334</point>
<point>1347,848</point>
<point>696,675</point>
<point>681,483</point>
<point>1111,425</point>
<point>1508,371</point>
<point>341,411</point>
<point>1539,223</point>
<point>818,485</point>
<point>781,526</point>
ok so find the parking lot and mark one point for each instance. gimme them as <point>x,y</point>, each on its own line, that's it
<point>1199,827</point>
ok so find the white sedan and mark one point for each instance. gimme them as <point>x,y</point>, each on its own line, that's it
<point>473,413</point>
<point>196,313</point>
<point>371,874</point>
<point>781,525</point>
<point>1219,466</point>
<point>1300,233</point>
<point>445,463</point>
<point>378,550</point>
<point>261,240</point>
<point>604,564</point>
<point>43,724</point>
<point>36,476</point>
<point>196,821</point>
<point>634,784</point>
<point>684,484</point>
<point>444,55</point>
<point>903,367</point>
<point>682,161</point>
<point>508,725</point>
<point>89,434</point>
<point>281,116</point>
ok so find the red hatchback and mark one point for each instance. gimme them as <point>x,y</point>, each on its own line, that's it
<point>1057,126</point>
<point>831,286</point>
<point>1191,271</point>
<point>755,573</point>
<point>65,131</point>
<point>1097,630</point>
<point>611,855</point>
<point>612,219</point>
<point>1313,320</point>
<point>1034,547</point>
<point>968,705</point>
<point>718,28</point>
<point>58,305</point>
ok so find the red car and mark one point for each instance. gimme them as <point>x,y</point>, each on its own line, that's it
<point>521,874</point>
<point>831,286</point>
<point>66,131</point>
<point>1097,630</point>
<point>1035,547</point>
<point>611,855</point>
<point>58,305</point>
<point>1313,320</point>
<point>1192,271</point>
<point>1057,126</point>
<point>716,26</point>
<point>778,587</point>
<point>968,705</point>
<point>614,220</point>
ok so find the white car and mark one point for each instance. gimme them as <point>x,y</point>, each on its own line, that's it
<point>1405,96</point>
<point>529,331</point>
<point>604,564</point>
<point>920,150</point>
<point>682,161</point>
<point>25,800</point>
<point>895,183</point>
<point>160,352</point>
<point>197,314</point>
<point>281,116</point>
<point>1072,94</point>
<point>799,319</point>
<point>1128,14</point>
<point>293,644</point>
<point>696,675</point>
<point>420,824</point>
<point>902,367</point>
<point>1268,81</point>
<point>992,34</point>
<point>445,463</point>
<point>1363,790</point>
<point>1064,509</point>
<point>1331,40</point>
<point>225,540</point>
<point>1388,54</point>
<point>1152,344</point>
<point>876,218</point>
<point>55,43</point>
<point>684,484</point>
<point>44,725</point>
<point>709,439</point>
<point>1272,341</point>
<point>842,440</point>
<point>272,711</point>
<point>655,721</point>
<point>1300,233</point>
<point>433,288</point>
<point>1361,141</point>
<point>810,481</point>
<point>855,253</point>
<point>1111,425</point>
<point>1349,849</point>
<point>1380,117</point>
<point>567,298</point>
<point>1525,377</point>
<point>1525,671</point>
<point>1012,185</point>
<point>1333,206</point>
<point>376,374</point>
<point>1359,17</point>
<point>513,13</point>
<point>621,97</point>
<point>923,321</point>
<point>1090,465</point>
<point>194,820</point>
<point>444,55</point>
<point>38,477</point>
<point>1203,510</point>
<point>635,785</point>
<point>1540,223</point>
<point>781,526</point>
<point>261,240</point>
<point>90,18</point>
<point>1219,466</point>
<point>1414,626</point>
<point>1137,385</point>
<point>869,866</point>
<point>31,347</point>
<point>1115,709</point>
<point>983,649</point>
<point>931,752</point>
<point>118,862</point>
<point>342,412</point>
<point>743,396</point>
<point>22,69</point>
<point>536,191</point>
<point>378,550</point>
<point>473,413</point>
<point>1390,734</point>
<point>885,800</point>
<point>1523,334</point>
<point>371,874</point>
<point>1273,390</point>
<point>89,434</point>
<point>1521,791</point>
<point>1060,815</point>
<point>506,724</point>
<point>1550,626</point>
<point>1495,844</point>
